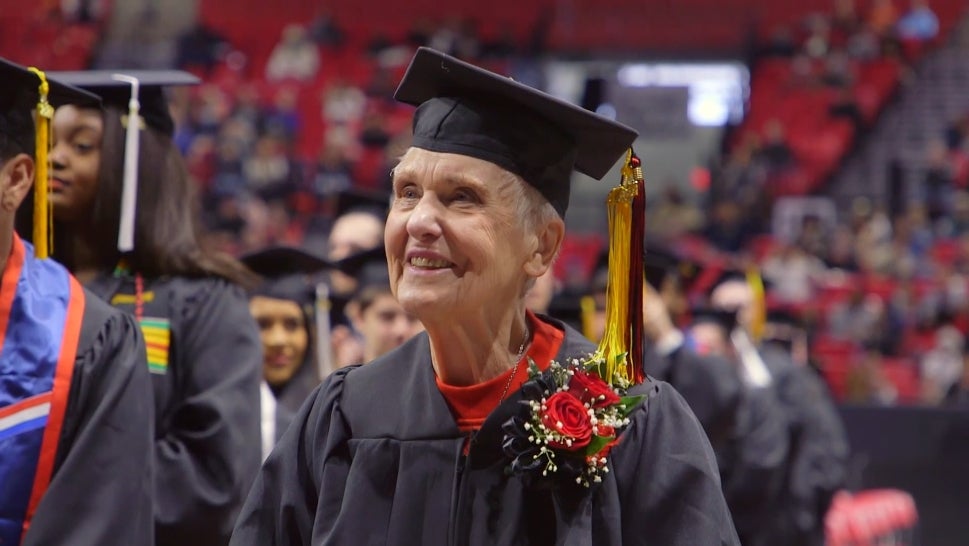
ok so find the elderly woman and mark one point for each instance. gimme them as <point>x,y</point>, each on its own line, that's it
<point>408,449</point>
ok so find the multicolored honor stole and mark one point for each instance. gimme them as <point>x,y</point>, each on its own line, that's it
<point>41,307</point>
<point>157,330</point>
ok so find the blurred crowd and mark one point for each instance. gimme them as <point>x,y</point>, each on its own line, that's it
<point>892,281</point>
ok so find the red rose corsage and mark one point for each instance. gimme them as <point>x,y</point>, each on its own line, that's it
<point>573,420</point>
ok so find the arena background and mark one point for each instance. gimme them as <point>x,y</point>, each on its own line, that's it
<point>827,144</point>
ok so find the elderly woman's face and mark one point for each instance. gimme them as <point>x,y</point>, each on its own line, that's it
<point>454,243</point>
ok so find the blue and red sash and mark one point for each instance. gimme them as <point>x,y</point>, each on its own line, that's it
<point>41,306</point>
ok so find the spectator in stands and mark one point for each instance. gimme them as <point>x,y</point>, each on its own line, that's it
<point>882,17</point>
<point>269,173</point>
<point>818,41</point>
<point>838,73</point>
<point>775,151</point>
<point>844,106</point>
<point>919,23</point>
<point>200,46</point>
<point>942,367</point>
<point>674,215</point>
<point>283,118</point>
<point>334,168</point>
<point>938,182</point>
<point>958,395</point>
<point>326,32</point>
<point>420,32</point>
<point>781,43</point>
<point>248,107</point>
<point>794,274</point>
<point>841,253</point>
<point>343,103</point>
<point>866,382</point>
<point>858,318</point>
<point>844,18</point>
<point>295,57</point>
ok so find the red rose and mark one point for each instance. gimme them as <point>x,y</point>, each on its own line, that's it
<point>605,431</point>
<point>566,415</point>
<point>592,390</point>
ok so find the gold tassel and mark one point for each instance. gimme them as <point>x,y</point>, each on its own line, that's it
<point>43,214</point>
<point>612,353</point>
<point>587,307</point>
<point>758,317</point>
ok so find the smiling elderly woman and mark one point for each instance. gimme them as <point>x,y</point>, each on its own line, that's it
<point>413,447</point>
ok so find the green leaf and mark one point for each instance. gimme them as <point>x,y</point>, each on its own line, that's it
<point>533,370</point>
<point>597,443</point>
<point>629,403</point>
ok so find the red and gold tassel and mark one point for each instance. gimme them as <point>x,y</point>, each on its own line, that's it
<point>618,357</point>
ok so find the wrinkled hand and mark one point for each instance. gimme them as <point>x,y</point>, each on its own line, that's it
<point>656,317</point>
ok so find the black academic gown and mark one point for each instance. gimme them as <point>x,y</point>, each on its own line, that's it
<point>817,464</point>
<point>101,489</point>
<point>207,447</point>
<point>747,429</point>
<point>376,458</point>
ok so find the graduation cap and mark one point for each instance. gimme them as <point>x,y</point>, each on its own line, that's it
<point>574,309</point>
<point>285,272</point>
<point>467,110</point>
<point>140,93</point>
<point>118,87</point>
<point>725,319</point>
<point>660,262</point>
<point>26,90</point>
<point>356,199</point>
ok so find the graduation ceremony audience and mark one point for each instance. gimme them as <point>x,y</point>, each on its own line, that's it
<point>257,271</point>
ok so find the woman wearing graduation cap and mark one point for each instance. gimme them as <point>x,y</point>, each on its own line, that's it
<point>76,420</point>
<point>124,225</point>
<point>283,305</point>
<point>428,444</point>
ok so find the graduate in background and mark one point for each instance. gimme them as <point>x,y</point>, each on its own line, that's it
<point>283,305</point>
<point>375,314</point>
<point>817,464</point>
<point>125,225</point>
<point>753,459</point>
<point>76,420</point>
<point>412,448</point>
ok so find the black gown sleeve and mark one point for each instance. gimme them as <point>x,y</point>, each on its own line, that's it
<point>311,457</point>
<point>669,485</point>
<point>753,464</point>
<point>101,491</point>
<point>206,460</point>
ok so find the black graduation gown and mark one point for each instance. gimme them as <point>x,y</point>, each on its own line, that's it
<point>376,458</point>
<point>747,429</point>
<point>100,491</point>
<point>710,385</point>
<point>207,403</point>
<point>817,464</point>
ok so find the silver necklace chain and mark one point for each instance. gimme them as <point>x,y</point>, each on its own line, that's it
<point>518,361</point>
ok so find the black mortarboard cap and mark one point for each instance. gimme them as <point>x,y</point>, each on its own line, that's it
<point>711,315</point>
<point>19,95</point>
<point>361,200</point>
<point>117,92</point>
<point>732,274</point>
<point>567,307</point>
<point>467,110</point>
<point>285,272</point>
<point>660,261</point>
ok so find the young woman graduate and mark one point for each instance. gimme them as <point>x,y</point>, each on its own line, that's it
<point>76,420</point>
<point>204,353</point>
<point>458,437</point>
